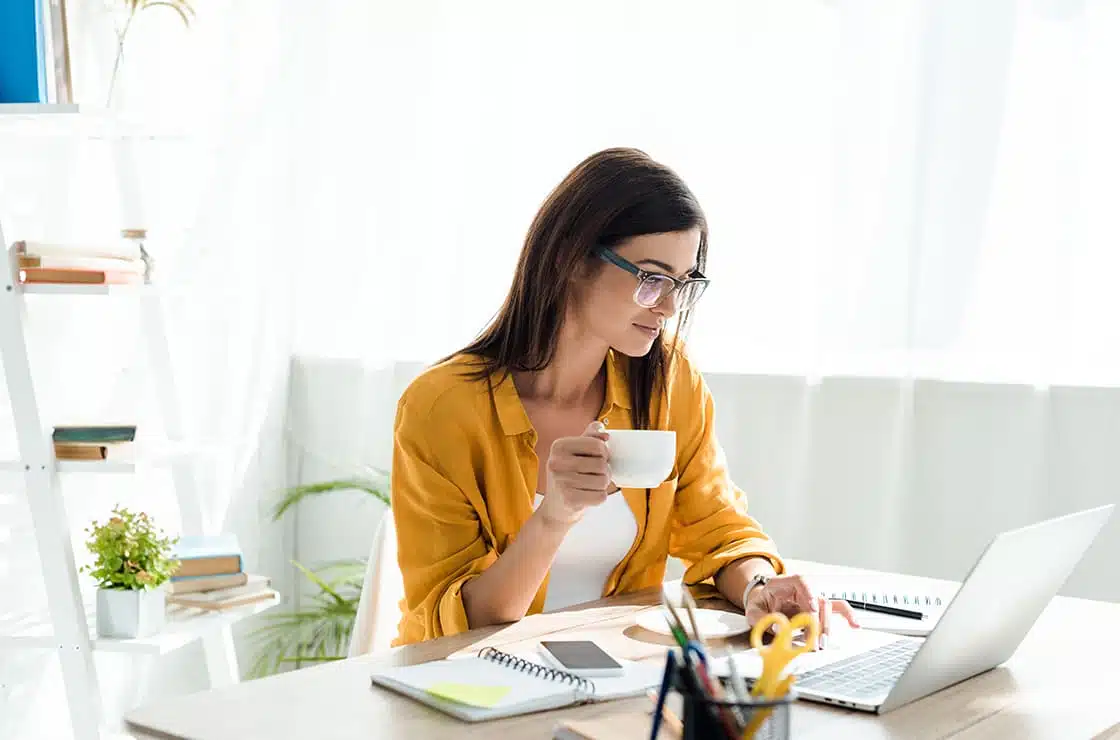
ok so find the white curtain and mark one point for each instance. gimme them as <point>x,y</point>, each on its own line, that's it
<point>911,330</point>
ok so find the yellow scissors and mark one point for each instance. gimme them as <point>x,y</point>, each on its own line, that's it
<point>781,651</point>
<point>777,656</point>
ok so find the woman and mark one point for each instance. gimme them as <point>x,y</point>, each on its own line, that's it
<point>502,494</point>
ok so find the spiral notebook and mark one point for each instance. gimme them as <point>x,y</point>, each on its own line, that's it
<point>495,684</point>
<point>898,592</point>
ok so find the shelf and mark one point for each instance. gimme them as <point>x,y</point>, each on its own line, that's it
<point>76,121</point>
<point>81,289</point>
<point>147,455</point>
<point>184,626</point>
<point>41,109</point>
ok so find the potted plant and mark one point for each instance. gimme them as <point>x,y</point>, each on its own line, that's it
<point>319,631</point>
<point>131,565</point>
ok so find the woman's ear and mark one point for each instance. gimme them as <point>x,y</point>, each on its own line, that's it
<point>581,278</point>
<point>585,271</point>
<point>588,267</point>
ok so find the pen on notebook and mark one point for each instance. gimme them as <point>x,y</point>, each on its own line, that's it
<point>883,609</point>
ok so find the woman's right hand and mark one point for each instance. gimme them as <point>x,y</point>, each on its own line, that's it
<point>578,476</point>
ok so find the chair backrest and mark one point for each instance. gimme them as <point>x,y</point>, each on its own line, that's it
<point>379,613</point>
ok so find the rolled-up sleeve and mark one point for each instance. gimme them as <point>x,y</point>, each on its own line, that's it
<point>440,538</point>
<point>711,525</point>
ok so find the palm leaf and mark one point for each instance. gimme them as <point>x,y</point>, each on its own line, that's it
<point>314,578</point>
<point>318,632</point>
<point>375,486</point>
<point>343,574</point>
<point>321,630</point>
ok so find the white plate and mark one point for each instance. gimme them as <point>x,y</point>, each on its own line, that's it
<point>713,623</point>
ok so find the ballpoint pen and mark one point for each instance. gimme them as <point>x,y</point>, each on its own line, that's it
<point>883,609</point>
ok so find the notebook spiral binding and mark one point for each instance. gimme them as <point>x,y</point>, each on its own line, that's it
<point>582,685</point>
<point>885,599</point>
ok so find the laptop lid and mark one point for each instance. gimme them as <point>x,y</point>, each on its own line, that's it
<point>1012,582</point>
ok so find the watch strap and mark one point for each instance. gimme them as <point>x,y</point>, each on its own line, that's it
<point>758,580</point>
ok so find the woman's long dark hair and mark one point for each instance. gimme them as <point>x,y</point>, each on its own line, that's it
<point>609,197</point>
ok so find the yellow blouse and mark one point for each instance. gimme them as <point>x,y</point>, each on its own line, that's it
<point>465,473</point>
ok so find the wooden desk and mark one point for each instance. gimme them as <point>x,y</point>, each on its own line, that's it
<point>1062,683</point>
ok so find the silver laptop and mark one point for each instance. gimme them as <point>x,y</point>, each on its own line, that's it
<point>1009,586</point>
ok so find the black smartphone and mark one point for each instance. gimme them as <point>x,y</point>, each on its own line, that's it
<point>582,657</point>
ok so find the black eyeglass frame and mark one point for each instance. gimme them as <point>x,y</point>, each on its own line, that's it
<point>609,255</point>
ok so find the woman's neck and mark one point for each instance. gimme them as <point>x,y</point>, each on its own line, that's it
<point>572,377</point>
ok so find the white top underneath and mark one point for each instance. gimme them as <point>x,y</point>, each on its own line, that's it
<point>590,552</point>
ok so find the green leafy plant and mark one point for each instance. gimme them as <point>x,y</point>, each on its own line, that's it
<point>132,8</point>
<point>130,552</point>
<point>320,630</point>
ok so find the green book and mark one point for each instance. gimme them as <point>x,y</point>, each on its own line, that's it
<point>94,434</point>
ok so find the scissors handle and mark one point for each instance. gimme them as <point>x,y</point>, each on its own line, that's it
<point>786,629</point>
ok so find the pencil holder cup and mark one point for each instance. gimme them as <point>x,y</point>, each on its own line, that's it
<point>703,717</point>
<point>706,718</point>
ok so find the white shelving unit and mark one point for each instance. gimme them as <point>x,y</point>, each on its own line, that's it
<point>184,627</point>
<point>68,627</point>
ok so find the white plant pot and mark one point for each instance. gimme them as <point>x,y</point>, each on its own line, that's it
<point>127,614</point>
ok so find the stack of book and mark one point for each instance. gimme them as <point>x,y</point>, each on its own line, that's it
<point>115,443</point>
<point>118,263</point>
<point>211,575</point>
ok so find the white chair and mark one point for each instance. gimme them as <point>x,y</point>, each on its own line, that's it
<point>379,613</point>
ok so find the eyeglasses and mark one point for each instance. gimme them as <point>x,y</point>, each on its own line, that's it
<point>653,287</point>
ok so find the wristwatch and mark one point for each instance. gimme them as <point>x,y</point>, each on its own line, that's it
<point>759,580</point>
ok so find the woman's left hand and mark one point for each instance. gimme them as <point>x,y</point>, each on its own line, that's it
<point>791,595</point>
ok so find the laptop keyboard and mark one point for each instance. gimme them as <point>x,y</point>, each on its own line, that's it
<point>867,675</point>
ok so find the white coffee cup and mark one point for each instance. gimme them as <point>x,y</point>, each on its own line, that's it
<point>641,458</point>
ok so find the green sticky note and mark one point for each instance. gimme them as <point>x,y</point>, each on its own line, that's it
<point>469,693</point>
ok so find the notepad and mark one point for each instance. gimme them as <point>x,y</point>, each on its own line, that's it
<point>888,590</point>
<point>495,684</point>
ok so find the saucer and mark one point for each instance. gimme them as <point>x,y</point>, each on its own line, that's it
<point>713,623</point>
